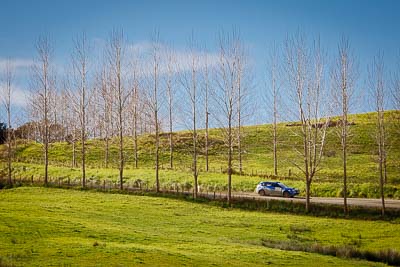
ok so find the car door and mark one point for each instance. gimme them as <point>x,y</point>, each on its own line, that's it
<point>277,190</point>
<point>269,189</point>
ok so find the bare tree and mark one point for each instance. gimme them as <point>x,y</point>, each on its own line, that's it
<point>377,87</point>
<point>170,82</point>
<point>206,82</point>
<point>7,92</point>
<point>63,110</point>
<point>305,76</point>
<point>226,97</point>
<point>105,102</point>
<point>152,101</point>
<point>115,56</point>
<point>189,80</point>
<point>273,71</point>
<point>80,95</point>
<point>242,87</point>
<point>69,119</point>
<point>135,107</point>
<point>395,87</point>
<point>240,68</point>
<point>343,79</point>
<point>43,83</point>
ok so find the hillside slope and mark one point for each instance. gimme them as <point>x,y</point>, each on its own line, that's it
<point>257,158</point>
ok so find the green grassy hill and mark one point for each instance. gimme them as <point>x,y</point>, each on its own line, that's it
<point>48,227</point>
<point>257,159</point>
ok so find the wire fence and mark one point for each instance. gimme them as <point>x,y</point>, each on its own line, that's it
<point>128,186</point>
<point>178,166</point>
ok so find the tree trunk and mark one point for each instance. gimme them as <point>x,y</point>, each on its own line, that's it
<point>9,130</point>
<point>239,124</point>
<point>135,145</point>
<point>83,138</point>
<point>9,157</point>
<point>195,174</point>
<point>120,135</point>
<point>230,153</point>
<point>157,156</point>
<point>345,180</point>
<point>207,113</point>
<point>306,167</point>
<point>381,187</point>
<point>381,147</point>
<point>206,141</point>
<point>46,143</point>
<point>46,162</point>
<point>344,151</point>
<point>275,145</point>
<point>308,188</point>
<point>106,152</point>
<point>121,162</point>
<point>171,156</point>
<point>9,161</point>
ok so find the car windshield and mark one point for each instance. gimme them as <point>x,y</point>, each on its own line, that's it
<point>282,185</point>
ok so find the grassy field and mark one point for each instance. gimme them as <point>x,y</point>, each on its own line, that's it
<point>362,166</point>
<point>42,227</point>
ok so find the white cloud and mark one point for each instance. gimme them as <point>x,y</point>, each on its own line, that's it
<point>16,63</point>
<point>143,47</point>
<point>19,68</point>
<point>19,96</point>
<point>182,57</point>
<point>141,52</point>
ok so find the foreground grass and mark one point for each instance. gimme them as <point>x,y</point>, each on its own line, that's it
<point>40,226</point>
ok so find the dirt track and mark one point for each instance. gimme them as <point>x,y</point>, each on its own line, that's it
<point>362,202</point>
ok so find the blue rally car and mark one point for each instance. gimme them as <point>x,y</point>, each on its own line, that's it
<point>275,189</point>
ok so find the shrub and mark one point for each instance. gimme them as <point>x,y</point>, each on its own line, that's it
<point>388,256</point>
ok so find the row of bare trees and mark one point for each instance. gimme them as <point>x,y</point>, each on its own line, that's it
<point>124,92</point>
<point>6,92</point>
<point>316,91</point>
<point>126,96</point>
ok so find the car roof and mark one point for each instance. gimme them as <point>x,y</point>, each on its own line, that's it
<point>269,182</point>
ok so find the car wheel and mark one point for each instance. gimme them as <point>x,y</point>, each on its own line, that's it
<point>261,193</point>
<point>286,194</point>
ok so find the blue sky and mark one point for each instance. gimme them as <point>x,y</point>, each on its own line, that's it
<point>370,25</point>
